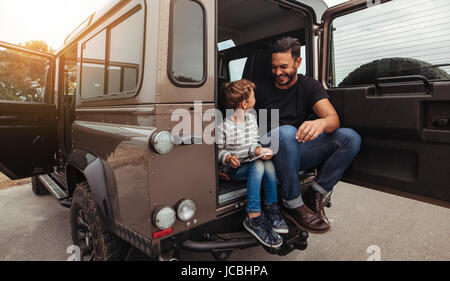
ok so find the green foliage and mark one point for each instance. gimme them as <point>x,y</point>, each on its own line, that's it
<point>39,45</point>
<point>22,76</point>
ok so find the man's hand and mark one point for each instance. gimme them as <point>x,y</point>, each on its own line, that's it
<point>233,161</point>
<point>310,130</point>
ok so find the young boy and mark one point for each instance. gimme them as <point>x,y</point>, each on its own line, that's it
<point>237,139</point>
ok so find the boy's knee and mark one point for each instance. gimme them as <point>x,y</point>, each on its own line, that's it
<point>258,167</point>
<point>269,167</point>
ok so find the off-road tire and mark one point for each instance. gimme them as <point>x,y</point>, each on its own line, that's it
<point>38,187</point>
<point>392,67</point>
<point>106,246</point>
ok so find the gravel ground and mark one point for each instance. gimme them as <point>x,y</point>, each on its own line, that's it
<point>366,224</point>
<point>5,182</point>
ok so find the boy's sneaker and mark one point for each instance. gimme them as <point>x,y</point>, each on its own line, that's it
<point>273,215</point>
<point>260,228</point>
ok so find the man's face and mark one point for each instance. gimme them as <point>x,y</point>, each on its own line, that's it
<point>284,69</point>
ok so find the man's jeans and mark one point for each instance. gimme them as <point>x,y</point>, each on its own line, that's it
<point>254,172</point>
<point>330,153</point>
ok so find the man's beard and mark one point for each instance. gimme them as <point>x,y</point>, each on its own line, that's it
<point>291,76</point>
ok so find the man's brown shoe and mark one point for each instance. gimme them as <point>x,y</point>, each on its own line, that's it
<point>316,202</point>
<point>306,219</point>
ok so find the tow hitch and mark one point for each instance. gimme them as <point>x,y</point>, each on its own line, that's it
<point>221,246</point>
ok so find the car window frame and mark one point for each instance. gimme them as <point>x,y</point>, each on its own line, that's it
<point>141,6</point>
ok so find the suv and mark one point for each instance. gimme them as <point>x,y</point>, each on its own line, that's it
<point>92,123</point>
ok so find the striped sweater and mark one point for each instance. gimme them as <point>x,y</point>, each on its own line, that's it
<point>238,139</point>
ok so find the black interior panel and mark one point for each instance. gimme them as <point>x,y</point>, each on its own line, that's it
<point>405,137</point>
<point>27,139</point>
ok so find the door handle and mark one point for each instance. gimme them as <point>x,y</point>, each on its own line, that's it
<point>441,122</point>
<point>38,139</point>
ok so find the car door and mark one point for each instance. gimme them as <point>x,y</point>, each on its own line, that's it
<point>27,113</point>
<point>385,65</point>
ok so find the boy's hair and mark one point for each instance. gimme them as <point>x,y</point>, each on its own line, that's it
<point>236,92</point>
<point>285,44</point>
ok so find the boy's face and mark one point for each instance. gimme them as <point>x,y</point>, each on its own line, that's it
<point>250,102</point>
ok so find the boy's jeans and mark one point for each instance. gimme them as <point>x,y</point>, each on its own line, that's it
<point>331,153</point>
<point>255,172</point>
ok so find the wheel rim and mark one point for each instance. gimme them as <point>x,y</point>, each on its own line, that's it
<point>84,236</point>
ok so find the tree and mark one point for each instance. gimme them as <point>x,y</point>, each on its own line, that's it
<point>39,45</point>
<point>22,76</point>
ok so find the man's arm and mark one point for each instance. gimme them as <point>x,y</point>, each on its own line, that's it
<point>328,122</point>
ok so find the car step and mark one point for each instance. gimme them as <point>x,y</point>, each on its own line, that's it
<point>53,187</point>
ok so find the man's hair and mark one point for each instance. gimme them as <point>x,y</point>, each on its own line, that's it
<point>236,92</point>
<point>285,44</point>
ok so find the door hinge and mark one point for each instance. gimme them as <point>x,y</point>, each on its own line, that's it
<point>318,30</point>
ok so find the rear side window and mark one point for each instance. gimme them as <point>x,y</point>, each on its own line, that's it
<point>93,66</point>
<point>111,60</point>
<point>187,61</point>
<point>236,68</point>
<point>397,38</point>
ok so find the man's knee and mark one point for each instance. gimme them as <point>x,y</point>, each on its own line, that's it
<point>287,134</point>
<point>350,139</point>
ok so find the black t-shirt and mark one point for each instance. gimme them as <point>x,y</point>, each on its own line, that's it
<point>295,104</point>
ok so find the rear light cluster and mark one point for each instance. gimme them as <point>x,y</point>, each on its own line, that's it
<point>164,217</point>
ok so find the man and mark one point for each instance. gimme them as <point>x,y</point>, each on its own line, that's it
<point>304,144</point>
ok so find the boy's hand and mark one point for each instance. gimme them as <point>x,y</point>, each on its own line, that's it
<point>268,154</point>
<point>258,151</point>
<point>261,151</point>
<point>233,161</point>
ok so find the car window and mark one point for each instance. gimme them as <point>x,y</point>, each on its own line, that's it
<point>93,66</point>
<point>397,38</point>
<point>236,68</point>
<point>22,76</point>
<point>224,45</point>
<point>119,68</point>
<point>126,54</point>
<point>187,67</point>
<point>302,68</point>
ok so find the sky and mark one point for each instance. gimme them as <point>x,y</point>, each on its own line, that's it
<point>47,20</point>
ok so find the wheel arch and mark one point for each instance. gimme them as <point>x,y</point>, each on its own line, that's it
<point>85,166</point>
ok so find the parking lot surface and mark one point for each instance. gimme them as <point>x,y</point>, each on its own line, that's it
<point>366,225</point>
